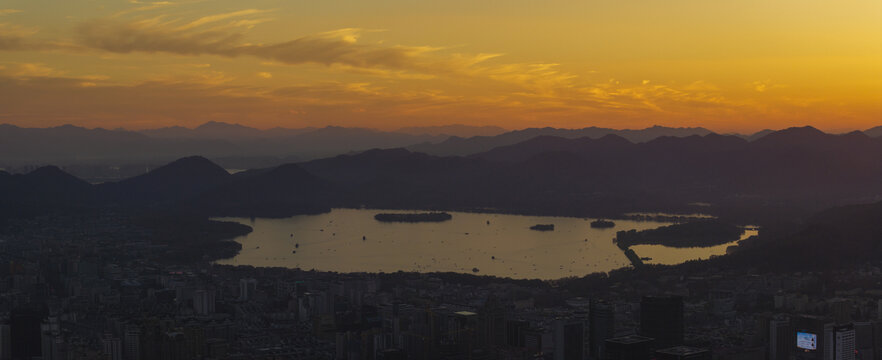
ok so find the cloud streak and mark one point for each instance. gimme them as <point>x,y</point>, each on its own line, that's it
<point>340,47</point>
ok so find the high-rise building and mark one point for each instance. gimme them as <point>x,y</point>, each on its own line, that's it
<point>24,330</point>
<point>132,342</point>
<point>844,342</point>
<point>601,323</point>
<point>491,324</point>
<point>780,339</point>
<point>52,343</point>
<point>5,350</point>
<point>568,339</point>
<point>864,341</point>
<point>631,347</point>
<point>661,318</point>
<point>204,302</point>
<point>247,287</point>
<point>514,333</point>
<point>112,347</point>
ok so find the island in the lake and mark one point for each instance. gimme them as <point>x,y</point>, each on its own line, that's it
<point>602,224</point>
<point>414,217</point>
<point>703,233</point>
<point>542,227</point>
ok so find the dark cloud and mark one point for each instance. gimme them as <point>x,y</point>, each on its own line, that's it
<point>339,47</point>
<point>13,42</point>
<point>122,37</point>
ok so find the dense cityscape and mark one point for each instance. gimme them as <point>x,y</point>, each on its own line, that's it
<point>92,287</point>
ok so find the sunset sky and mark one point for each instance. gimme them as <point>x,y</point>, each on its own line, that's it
<point>725,65</point>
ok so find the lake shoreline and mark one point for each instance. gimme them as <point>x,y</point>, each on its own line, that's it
<point>499,244</point>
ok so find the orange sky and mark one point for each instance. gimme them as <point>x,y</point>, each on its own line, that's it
<point>726,65</point>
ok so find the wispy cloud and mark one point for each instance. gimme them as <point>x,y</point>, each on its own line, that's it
<point>144,6</point>
<point>218,17</point>
<point>9,11</point>
<point>16,38</point>
<point>339,47</point>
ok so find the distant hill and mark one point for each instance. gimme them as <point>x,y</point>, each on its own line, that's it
<point>759,134</point>
<point>839,237</point>
<point>222,131</point>
<point>458,130</point>
<point>72,144</point>
<point>874,132</point>
<point>798,169</point>
<point>191,185</point>
<point>467,146</point>
<point>276,192</point>
<point>786,174</point>
<point>234,143</point>
<point>335,140</point>
<point>44,190</point>
<point>182,179</point>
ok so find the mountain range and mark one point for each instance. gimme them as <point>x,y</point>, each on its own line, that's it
<point>238,146</point>
<point>791,172</point>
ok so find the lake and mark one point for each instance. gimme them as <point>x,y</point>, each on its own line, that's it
<point>351,240</point>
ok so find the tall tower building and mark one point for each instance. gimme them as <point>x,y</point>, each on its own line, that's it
<point>247,287</point>
<point>844,342</point>
<point>569,339</point>
<point>601,323</point>
<point>780,338</point>
<point>203,302</point>
<point>661,318</point>
<point>132,342</point>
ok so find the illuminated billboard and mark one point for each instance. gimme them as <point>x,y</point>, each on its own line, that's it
<point>806,341</point>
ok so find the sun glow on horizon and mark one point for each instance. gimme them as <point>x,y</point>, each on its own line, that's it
<point>727,66</point>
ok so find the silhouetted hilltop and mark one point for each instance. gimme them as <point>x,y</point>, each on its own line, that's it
<point>785,175</point>
<point>874,132</point>
<point>371,165</point>
<point>788,173</point>
<point>757,135</point>
<point>398,178</point>
<point>478,144</point>
<point>835,238</point>
<point>541,144</point>
<point>73,144</point>
<point>793,136</point>
<point>453,130</point>
<point>46,189</point>
<point>221,130</point>
<point>76,145</point>
<point>179,180</point>
<point>277,192</point>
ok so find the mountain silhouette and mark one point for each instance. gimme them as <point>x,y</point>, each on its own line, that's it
<point>800,168</point>
<point>838,237</point>
<point>787,173</point>
<point>874,132</point>
<point>176,181</point>
<point>46,189</point>
<point>467,146</point>
<point>277,192</point>
<point>453,130</point>
<point>73,144</point>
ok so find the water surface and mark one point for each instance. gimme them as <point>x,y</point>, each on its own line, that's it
<point>350,240</point>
